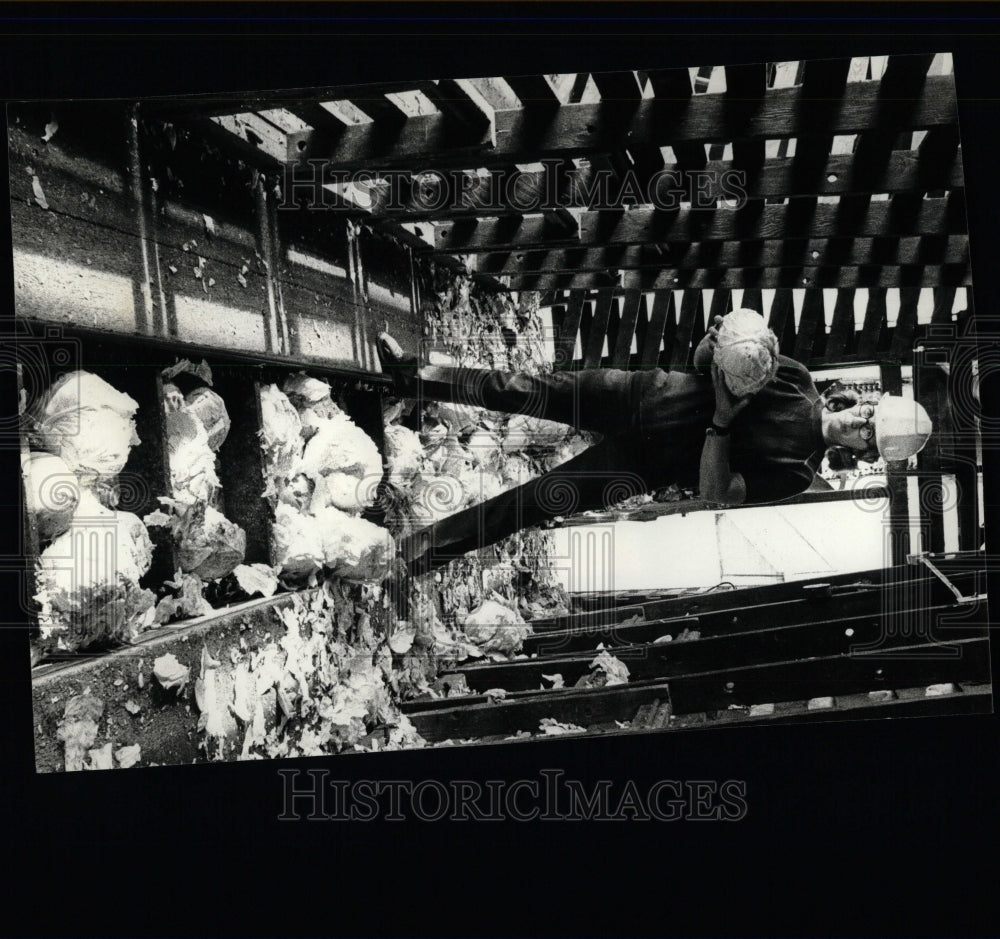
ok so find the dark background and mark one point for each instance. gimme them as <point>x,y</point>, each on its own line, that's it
<point>867,828</point>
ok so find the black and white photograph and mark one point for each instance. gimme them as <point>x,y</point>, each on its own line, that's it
<point>484,410</point>
<point>496,470</point>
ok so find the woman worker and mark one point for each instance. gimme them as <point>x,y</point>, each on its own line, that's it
<point>658,428</point>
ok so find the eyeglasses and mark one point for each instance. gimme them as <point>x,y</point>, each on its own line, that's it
<point>867,412</point>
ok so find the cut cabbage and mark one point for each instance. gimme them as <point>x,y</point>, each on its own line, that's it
<point>494,627</point>
<point>344,492</point>
<point>280,435</point>
<point>297,542</point>
<point>192,461</point>
<point>339,445</point>
<point>51,492</point>
<point>86,422</point>
<point>354,548</point>
<point>747,352</point>
<point>88,579</point>
<point>404,453</point>
<point>210,409</point>
<point>524,431</point>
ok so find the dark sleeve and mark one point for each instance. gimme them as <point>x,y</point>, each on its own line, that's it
<point>767,484</point>
<point>795,372</point>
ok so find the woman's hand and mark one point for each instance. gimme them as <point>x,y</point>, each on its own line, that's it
<point>704,354</point>
<point>727,405</point>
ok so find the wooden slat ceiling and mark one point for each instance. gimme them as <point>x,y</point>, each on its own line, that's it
<point>833,173</point>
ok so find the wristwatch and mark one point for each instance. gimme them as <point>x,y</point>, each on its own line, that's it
<point>716,431</point>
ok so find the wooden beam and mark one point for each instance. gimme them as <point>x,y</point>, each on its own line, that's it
<point>782,320</point>
<point>754,222</point>
<point>944,301</point>
<point>641,329</point>
<point>835,175</point>
<point>875,322</point>
<point>812,327</point>
<point>565,343</point>
<point>291,99</point>
<point>246,136</point>
<point>692,309</point>
<point>622,87</point>
<point>452,101</point>
<point>648,659</point>
<point>593,341</point>
<point>746,88</point>
<point>650,280</point>
<point>534,91</point>
<point>838,343</point>
<point>906,324</point>
<point>662,328</point>
<point>622,349</point>
<point>576,130</point>
<point>753,299</point>
<point>384,114</point>
<point>723,255</point>
<point>458,193</point>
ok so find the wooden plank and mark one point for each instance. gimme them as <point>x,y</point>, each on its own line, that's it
<point>812,327</point>
<point>875,322</point>
<point>742,616</point>
<point>746,87</point>
<point>476,719</point>
<point>622,87</point>
<point>670,84</point>
<point>692,309</point>
<point>384,113</point>
<point>910,702</point>
<point>835,174</point>
<point>641,328</point>
<point>664,660</point>
<point>873,276</point>
<point>534,91</point>
<point>753,299</point>
<point>715,690</point>
<point>786,112</point>
<point>626,329</point>
<point>611,333</point>
<point>648,225</point>
<point>782,320</point>
<point>236,136</point>
<point>815,677</point>
<point>807,253</point>
<point>593,342</point>
<point>906,324</point>
<point>761,605</point>
<point>937,153</point>
<point>944,302</point>
<point>899,91</point>
<point>451,100</point>
<point>576,130</point>
<point>206,105</point>
<point>566,341</point>
<point>839,341</point>
<point>675,85</point>
<point>663,309</point>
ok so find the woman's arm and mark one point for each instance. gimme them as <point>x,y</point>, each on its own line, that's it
<point>716,481</point>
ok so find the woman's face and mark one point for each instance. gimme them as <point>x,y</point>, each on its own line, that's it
<point>853,427</point>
